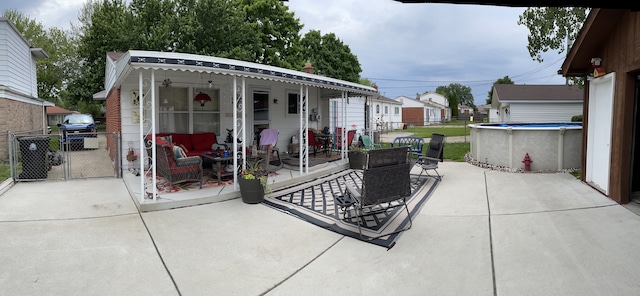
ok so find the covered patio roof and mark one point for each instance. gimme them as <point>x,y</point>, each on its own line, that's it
<point>122,64</point>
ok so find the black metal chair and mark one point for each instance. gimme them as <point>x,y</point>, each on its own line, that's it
<point>386,184</point>
<point>435,154</point>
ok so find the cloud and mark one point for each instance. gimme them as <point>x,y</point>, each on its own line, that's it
<point>404,48</point>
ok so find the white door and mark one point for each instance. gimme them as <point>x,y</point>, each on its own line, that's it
<point>599,131</point>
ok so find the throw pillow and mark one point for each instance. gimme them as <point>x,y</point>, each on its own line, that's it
<point>184,148</point>
<point>263,149</point>
<point>178,152</point>
<point>165,139</point>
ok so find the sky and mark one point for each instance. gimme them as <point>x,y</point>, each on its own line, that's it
<point>405,49</point>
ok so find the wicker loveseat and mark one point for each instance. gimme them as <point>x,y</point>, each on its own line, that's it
<point>177,170</point>
<point>195,144</point>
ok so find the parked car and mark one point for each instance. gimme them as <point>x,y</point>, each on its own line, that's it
<point>74,129</point>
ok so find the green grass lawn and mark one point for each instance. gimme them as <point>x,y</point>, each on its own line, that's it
<point>447,130</point>
<point>4,172</point>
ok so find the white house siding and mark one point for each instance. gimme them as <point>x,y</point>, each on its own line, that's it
<point>17,67</point>
<point>435,97</point>
<point>409,102</point>
<point>395,117</point>
<point>354,114</point>
<point>288,125</point>
<point>543,112</point>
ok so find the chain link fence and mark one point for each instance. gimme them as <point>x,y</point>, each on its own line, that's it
<point>36,156</point>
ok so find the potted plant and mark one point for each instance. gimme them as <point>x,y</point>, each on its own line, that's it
<point>253,183</point>
<point>357,157</point>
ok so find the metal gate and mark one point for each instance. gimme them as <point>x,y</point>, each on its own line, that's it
<point>36,156</point>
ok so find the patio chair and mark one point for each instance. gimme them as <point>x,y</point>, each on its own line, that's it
<point>177,170</point>
<point>267,148</point>
<point>435,153</point>
<point>385,185</point>
<point>338,142</point>
<point>368,144</point>
<point>313,142</point>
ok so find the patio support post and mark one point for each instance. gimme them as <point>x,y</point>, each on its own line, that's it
<point>239,125</point>
<point>234,105</point>
<point>140,127</point>
<point>304,116</point>
<point>153,130</point>
<point>301,135</point>
<point>344,126</point>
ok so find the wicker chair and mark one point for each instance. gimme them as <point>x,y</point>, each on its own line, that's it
<point>177,170</point>
<point>385,185</point>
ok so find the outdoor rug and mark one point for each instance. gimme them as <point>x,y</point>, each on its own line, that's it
<point>208,181</point>
<point>313,202</point>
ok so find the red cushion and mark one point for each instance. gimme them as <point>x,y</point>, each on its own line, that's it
<point>203,141</point>
<point>184,139</point>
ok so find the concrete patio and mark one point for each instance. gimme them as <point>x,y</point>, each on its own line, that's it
<point>481,233</point>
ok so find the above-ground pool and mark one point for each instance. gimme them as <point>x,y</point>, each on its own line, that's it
<point>551,146</point>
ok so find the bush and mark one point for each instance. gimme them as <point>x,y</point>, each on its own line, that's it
<point>576,118</point>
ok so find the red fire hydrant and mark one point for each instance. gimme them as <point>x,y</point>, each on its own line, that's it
<point>527,162</point>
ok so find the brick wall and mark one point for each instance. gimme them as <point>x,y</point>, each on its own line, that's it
<point>113,121</point>
<point>17,117</point>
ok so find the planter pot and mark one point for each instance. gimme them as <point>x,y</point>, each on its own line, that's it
<point>252,191</point>
<point>356,160</point>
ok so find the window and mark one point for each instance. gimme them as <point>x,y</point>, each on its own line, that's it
<point>396,110</point>
<point>293,100</point>
<point>177,110</point>
<point>386,109</point>
<point>261,107</point>
<point>377,109</point>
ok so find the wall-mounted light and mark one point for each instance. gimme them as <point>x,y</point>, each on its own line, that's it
<point>506,111</point>
<point>275,101</point>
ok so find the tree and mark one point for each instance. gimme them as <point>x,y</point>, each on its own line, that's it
<point>105,27</point>
<point>330,57</point>
<point>277,30</point>
<point>456,94</point>
<point>550,27</point>
<point>367,82</point>
<point>504,80</point>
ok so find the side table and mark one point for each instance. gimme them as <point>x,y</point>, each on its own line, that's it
<point>216,167</point>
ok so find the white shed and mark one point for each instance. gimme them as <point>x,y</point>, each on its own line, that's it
<point>535,103</point>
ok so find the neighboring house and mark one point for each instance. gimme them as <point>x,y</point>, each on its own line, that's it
<point>21,110</point>
<point>56,114</point>
<point>420,113</point>
<point>387,113</point>
<point>484,109</point>
<point>464,109</point>
<point>521,103</point>
<point>611,140</point>
<point>440,102</point>
<point>150,92</point>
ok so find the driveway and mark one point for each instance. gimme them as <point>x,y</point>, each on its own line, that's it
<point>481,233</point>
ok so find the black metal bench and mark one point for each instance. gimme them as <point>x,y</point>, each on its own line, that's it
<point>414,143</point>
